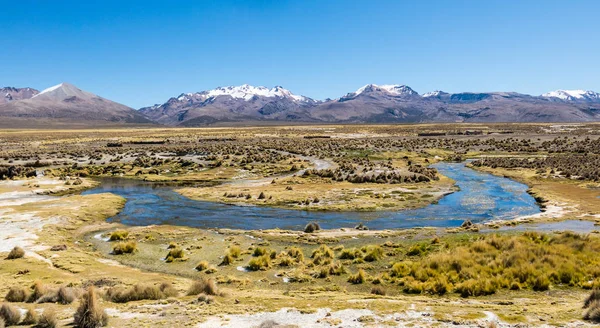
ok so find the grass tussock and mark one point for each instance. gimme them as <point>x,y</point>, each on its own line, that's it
<point>202,265</point>
<point>175,253</point>
<point>592,306</point>
<point>203,286</point>
<point>125,247</point>
<point>259,263</point>
<point>312,227</point>
<point>235,251</point>
<point>90,314</point>
<point>38,291</point>
<point>48,319</point>
<point>16,253</point>
<point>533,261</point>
<point>62,295</point>
<point>141,292</point>
<point>10,314</point>
<point>31,317</point>
<point>358,278</point>
<point>378,290</point>
<point>17,294</point>
<point>118,235</point>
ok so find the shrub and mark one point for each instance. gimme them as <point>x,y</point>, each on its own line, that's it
<point>312,227</point>
<point>350,254</point>
<point>259,251</point>
<point>440,286</point>
<point>119,235</point>
<point>174,253</point>
<point>17,294</point>
<point>10,314</point>
<point>378,290</point>
<point>286,261</point>
<point>476,287</point>
<point>323,251</point>
<point>172,245</point>
<point>39,290</point>
<point>541,283</point>
<point>296,253</point>
<point>374,253</point>
<point>63,295</point>
<point>235,251</point>
<point>593,312</point>
<point>141,292</point>
<point>16,253</point>
<point>259,263</point>
<point>203,298</point>
<point>128,247</point>
<point>337,269</point>
<point>31,317</point>
<point>89,314</point>
<point>202,265</point>
<point>594,296</point>
<point>48,320</point>
<point>359,278</point>
<point>204,286</point>
<point>417,250</point>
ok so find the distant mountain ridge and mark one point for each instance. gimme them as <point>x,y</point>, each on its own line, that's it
<point>373,104</point>
<point>65,103</point>
<point>12,94</point>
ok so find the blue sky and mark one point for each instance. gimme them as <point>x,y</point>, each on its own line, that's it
<point>143,52</point>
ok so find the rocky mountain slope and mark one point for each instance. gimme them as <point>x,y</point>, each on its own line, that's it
<point>8,94</point>
<point>65,103</point>
<point>373,104</point>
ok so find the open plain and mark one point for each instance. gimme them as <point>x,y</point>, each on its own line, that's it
<point>323,256</point>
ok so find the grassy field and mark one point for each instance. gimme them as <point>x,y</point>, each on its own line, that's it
<point>179,276</point>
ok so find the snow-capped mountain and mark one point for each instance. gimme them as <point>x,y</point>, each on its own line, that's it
<point>387,103</point>
<point>65,103</point>
<point>244,102</point>
<point>573,95</point>
<point>9,94</point>
<point>374,90</point>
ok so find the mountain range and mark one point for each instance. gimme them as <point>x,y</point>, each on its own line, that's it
<point>247,104</point>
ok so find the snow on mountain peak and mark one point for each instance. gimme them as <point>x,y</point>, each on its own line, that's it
<point>573,95</point>
<point>435,93</point>
<point>50,89</point>
<point>247,92</point>
<point>394,89</point>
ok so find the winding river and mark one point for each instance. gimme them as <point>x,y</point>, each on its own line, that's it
<point>482,197</point>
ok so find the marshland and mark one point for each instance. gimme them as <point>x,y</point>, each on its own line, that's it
<point>341,225</point>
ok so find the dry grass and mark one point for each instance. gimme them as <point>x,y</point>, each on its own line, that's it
<point>31,317</point>
<point>16,253</point>
<point>17,294</point>
<point>48,319</point>
<point>119,235</point>
<point>202,265</point>
<point>141,292</point>
<point>259,263</point>
<point>90,314</point>
<point>358,278</point>
<point>128,247</point>
<point>10,314</point>
<point>203,286</point>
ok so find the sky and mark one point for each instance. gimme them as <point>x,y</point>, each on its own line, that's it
<point>143,52</point>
